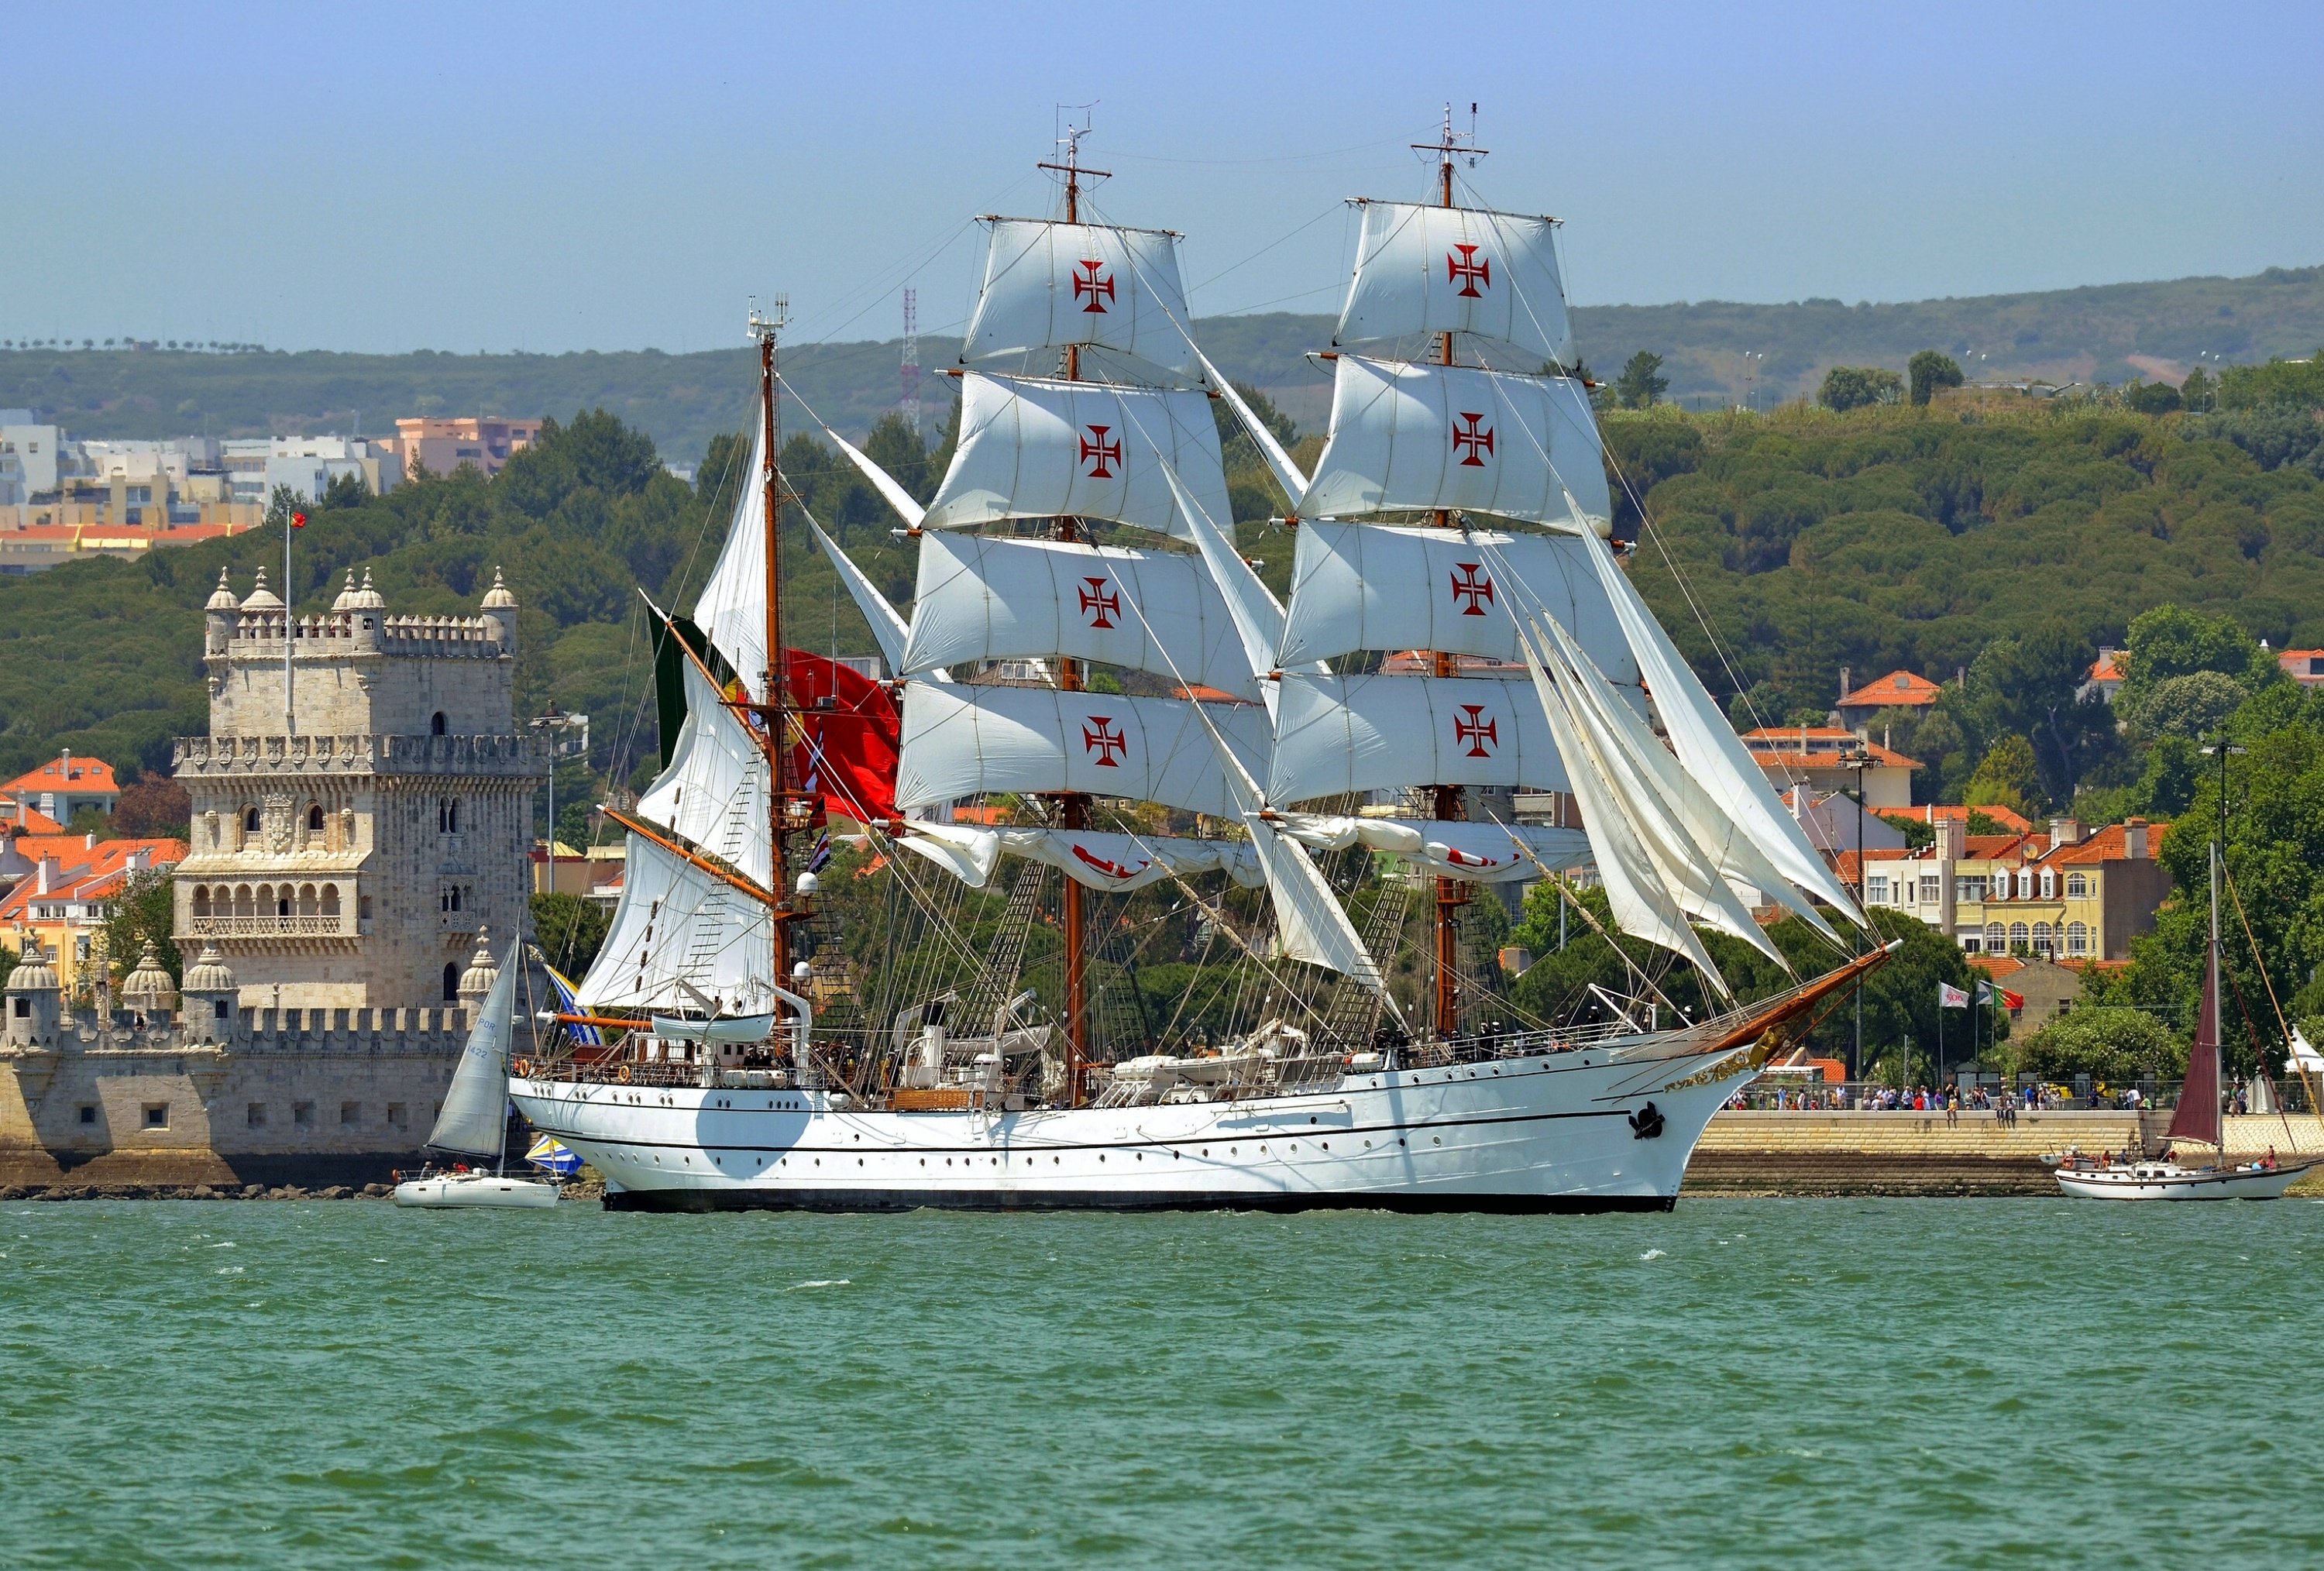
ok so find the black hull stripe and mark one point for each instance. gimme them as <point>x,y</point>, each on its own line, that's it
<point>704,1201</point>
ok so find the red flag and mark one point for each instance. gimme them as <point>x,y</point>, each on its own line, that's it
<point>298,520</point>
<point>855,737</point>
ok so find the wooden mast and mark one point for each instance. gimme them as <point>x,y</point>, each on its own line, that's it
<point>1452,893</point>
<point>775,703</point>
<point>1074,806</point>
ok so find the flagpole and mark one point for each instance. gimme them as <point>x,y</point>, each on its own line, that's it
<point>290,719</point>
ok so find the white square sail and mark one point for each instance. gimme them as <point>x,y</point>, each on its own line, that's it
<point>1459,270</point>
<point>1047,285</point>
<point>1338,735</point>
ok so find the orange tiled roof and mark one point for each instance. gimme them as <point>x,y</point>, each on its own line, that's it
<point>90,776</point>
<point>2106,668</point>
<point>1898,689</point>
<point>1765,750</point>
<point>14,815</point>
<point>2107,845</point>
<point>1941,811</point>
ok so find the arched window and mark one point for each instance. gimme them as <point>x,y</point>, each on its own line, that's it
<point>2078,886</point>
<point>436,724</point>
<point>2041,945</point>
<point>241,906</point>
<point>2019,938</point>
<point>307,900</point>
<point>451,975</point>
<point>2078,939</point>
<point>250,821</point>
<point>330,900</point>
<point>1996,937</point>
<point>201,902</point>
<point>314,817</point>
<point>456,814</point>
<point>282,901</point>
<point>456,897</point>
<point>447,814</point>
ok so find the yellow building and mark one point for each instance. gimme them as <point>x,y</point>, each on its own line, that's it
<point>2062,896</point>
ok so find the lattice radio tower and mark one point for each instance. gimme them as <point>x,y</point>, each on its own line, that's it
<point>910,408</point>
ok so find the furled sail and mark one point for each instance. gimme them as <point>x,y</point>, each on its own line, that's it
<point>678,922</point>
<point>732,609</point>
<point>713,794</point>
<point>1033,448</point>
<point>1708,746</point>
<point>961,742</point>
<point>1409,438</point>
<point>1459,270</point>
<point>1475,852</point>
<point>986,598</point>
<point>1463,591</point>
<point>1336,734</point>
<point>474,1118</point>
<point>1049,284</point>
<point>1117,864</point>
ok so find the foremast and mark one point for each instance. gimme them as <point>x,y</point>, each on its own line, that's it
<point>774,705</point>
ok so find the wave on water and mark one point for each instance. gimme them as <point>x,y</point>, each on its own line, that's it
<point>826,1282</point>
<point>1652,1254</point>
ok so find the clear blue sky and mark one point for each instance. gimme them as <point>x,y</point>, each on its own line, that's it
<point>579,176</point>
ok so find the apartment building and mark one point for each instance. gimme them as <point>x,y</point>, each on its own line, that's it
<point>2063,896</point>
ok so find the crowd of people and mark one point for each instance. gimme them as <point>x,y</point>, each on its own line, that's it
<point>2004,1102</point>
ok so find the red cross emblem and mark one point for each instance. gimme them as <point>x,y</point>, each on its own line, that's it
<point>1097,604</point>
<point>1483,735</point>
<point>1097,452</point>
<point>1478,439</point>
<point>1468,271</point>
<point>1099,737</point>
<point>1111,869</point>
<point>1088,280</point>
<point>1472,585</point>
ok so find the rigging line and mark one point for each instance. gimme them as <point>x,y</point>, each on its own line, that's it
<point>1272,158</point>
<point>1281,240</point>
<point>1587,916</point>
<point>2257,959</point>
<point>1278,299</point>
<point>880,283</point>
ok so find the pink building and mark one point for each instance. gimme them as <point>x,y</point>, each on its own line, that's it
<point>444,445</point>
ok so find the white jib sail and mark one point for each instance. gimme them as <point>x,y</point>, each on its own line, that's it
<point>1286,473</point>
<point>677,922</point>
<point>1677,813</point>
<point>1463,591</point>
<point>1458,270</point>
<point>713,794</point>
<point>1047,285</point>
<point>1258,614</point>
<point>989,597</point>
<point>1335,734</point>
<point>1308,917</point>
<point>1710,749</point>
<point>1407,438</point>
<point>474,1115</point>
<point>891,490</point>
<point>732,607</point>
<point>1643,905</point>
<point>1031,448</point>
<point>961,742</point>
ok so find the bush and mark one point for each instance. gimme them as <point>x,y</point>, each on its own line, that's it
<point>1847,387</point>
<point>2112,1045</point>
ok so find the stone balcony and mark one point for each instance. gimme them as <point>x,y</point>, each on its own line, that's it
<point>342,925</point>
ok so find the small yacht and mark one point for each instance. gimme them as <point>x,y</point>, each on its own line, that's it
<point>474,1119</point>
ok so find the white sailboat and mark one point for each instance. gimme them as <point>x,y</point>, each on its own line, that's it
<point>473,1122</point>
<point>1457,507</point>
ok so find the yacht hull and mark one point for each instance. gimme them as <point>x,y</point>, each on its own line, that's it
<point>1588,1131</point>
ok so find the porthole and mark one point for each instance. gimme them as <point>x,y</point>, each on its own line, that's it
<point>1436,1140</point>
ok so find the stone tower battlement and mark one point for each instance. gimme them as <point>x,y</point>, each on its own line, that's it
<point>350,833</point>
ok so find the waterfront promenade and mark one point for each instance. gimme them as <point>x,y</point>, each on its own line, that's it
<point>1748,1152</point>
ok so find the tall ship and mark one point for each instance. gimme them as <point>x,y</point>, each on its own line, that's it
<point>1100,703</point>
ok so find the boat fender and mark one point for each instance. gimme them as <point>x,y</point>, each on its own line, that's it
<point>1646,1122</point>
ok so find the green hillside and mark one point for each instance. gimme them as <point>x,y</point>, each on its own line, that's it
<point>681,401</point>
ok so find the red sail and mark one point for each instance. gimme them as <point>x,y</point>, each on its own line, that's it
<point>853,736</point>
<point>2197,1117</point>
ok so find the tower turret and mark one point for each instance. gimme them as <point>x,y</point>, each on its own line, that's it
<point>218,617</point>
<point>500,613</point>
<point>33,1000</point>
<point>210,996</point>
<point>148,990</point>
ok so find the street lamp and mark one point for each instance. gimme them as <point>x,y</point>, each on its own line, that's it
<point>1856,758</point>
<point>551,723</point>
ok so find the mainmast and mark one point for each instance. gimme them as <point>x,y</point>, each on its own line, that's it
<point>1452,893</point>
<point>1074,806</point>
<point>776,699</point>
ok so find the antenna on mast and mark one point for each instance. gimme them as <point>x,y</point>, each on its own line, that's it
<point>1069,141</point>
<point>1450,144</point>
<point>766,327</point>
<point>910,408</point>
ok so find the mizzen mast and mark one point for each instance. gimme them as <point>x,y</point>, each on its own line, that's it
<point>1073,807</point>
<point>775,703</point>
<point>1452,893</point>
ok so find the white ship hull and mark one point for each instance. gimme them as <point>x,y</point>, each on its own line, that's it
<point>460,1191</point>
<point>1557,1131</point>
<point>2158,1181</point>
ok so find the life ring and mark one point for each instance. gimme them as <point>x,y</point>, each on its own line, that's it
<point>624,1076</point>
<point>523,1067</point>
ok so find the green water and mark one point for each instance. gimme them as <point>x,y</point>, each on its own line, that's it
<point>1905,1383</point>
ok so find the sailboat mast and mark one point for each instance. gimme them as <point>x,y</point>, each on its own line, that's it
<point>1452,893</point>
<point>1074,806</point>
<point>775,706</point>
